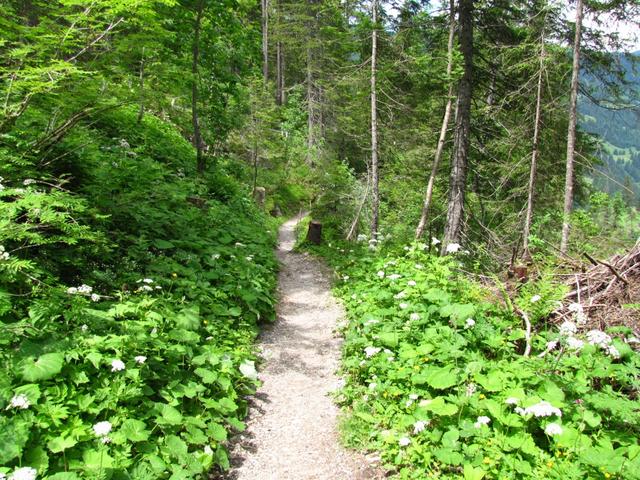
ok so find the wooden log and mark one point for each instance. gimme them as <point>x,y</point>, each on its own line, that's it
<point>314,234</point>
<point>259,195</point>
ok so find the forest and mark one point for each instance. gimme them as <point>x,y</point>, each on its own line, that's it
<point>474,168</point>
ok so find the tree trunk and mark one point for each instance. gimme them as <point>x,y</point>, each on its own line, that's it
<point>279,74</point>
<point>265,40</point>
<point>197,136</point>
<point>311,140</point>
<point>443,129</point>
<point>534,153</point>
<point>314,234</point>
<point>571,134</point>
<point>459,162</point>
<point>374,126</point>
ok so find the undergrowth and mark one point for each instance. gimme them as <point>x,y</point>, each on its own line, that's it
<point>436,378</point>
<point>130,297</point>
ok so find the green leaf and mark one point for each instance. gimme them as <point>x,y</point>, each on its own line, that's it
<point>163,244</point>
<point>207,376</point>
<point>168,415</point>
<point>389,339</point>
<point>437,377</point>
<point>438,406</point>
<point>217,432</point>
<point>64,476</point>
<point>189,318</point>
<point>14,434</point>
<point>176,447</point>
<point>248,369</point>
<point>60,444</point>
<point>472,473</point>
<point>134,430</point>
<point>46,367</point>
<point>96,460</point>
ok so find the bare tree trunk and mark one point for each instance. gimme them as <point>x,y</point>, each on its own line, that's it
<point>141,85</point>
<point>354,225</point>
<point>279,74</point>
<point>265,40</point>
<point>375,217</point>
<point>197,136</point>
<point>571,134</point>
<point>534,152</point>
<point>458,179</point>
<point>443,129</point>
<point>311,128</point>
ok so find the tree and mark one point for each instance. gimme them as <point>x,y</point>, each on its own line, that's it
<point>445,125</point>
<point>571,134</point>
<point>375,181</point>
<point>458,178</point>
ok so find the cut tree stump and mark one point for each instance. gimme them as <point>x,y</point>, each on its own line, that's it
<point>259,195</point>
<point>314,234</point>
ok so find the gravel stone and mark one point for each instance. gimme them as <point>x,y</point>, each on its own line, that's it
<point>292,425</point>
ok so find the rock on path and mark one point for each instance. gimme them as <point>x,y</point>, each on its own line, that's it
<point>291,430</point>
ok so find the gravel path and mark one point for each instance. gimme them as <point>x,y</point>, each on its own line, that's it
<point>291,431</point>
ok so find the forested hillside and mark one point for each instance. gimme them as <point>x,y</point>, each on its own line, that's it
<point>149,150</point>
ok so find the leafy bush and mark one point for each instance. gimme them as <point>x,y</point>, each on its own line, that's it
<point>130,296</point>
<point>437,381</point>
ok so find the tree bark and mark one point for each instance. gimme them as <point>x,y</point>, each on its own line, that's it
<point>443,129</point>
<point>534,152</point>
<point>571,134</point>
<point>265,40</point>
<point>458,178</point>
<point>375,203</point>
<point>197,135</point>
<point>311,128</point>
<point>279,74</point>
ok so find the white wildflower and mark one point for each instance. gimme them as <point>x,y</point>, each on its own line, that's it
<point>520,411</point>
<point>215,256</point>
<point>24,473</point>
<point>470,322</point>
<point>535,298</point>
<point>371,321</point>
<point>553,429</point>
<point>404,441</point>
<point>361,238</point>
<point>542,409</point>
<point>453,248</point>
<point>354,296</point>
<point>140,359</point>
<point>381,274</point>
<point>471,389</point>
<point>419,426</point>
<point>511,401</point>
<point>419,266</point>
<point>482,420</point>
<point>612,351</point>
<point>95,297</point>
<point>84,327</point>
<point>434,241</point>
<point>19,401</point>
<point>574,343</point>
<point>102,429</point>
<point>105,440</point>
<point>154,331</point>
<point>208,450</point>
<point>599,338</point>
<point>117,365</point>
<point>238,244</point>
<point>552,344</point>
<point>345,277</point>
<point>146,288</point>
<point>72,290</point>
<point>373,385</point>
<point>411,283</point>
<point>413,396</point>
<point>403,306</point>
<point>568,329</point>
<point>85,289</point>
<point>28,181</point>
<point>371,351</point>
<point>400,295</point>
<point>575,307</point>
<point>147,280</point>
<point>394,276</point>
<point>407,248</point>
<point>414,317</point>
<point>4,255</point>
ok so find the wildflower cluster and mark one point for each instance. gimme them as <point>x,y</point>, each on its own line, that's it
<point>4,255</point>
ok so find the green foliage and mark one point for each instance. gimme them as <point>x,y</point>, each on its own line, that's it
<point>130,293</point>
<point>436,378</point>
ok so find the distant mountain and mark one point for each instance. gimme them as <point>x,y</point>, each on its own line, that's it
<point>619,131</point>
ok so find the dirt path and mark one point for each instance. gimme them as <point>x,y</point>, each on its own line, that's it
<point>291,432</point>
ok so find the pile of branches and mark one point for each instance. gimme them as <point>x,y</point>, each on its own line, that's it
<point>608,292</point>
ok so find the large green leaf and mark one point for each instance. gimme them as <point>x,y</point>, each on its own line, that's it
<point>60,444</point>
<point>189,318</point>
<point>437,377</point>
<point>134,430</point>
<point>168,415</point>
<point>45,367</point>
<point>14,434</point>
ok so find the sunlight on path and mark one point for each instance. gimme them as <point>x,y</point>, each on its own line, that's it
<point>291,430</point>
